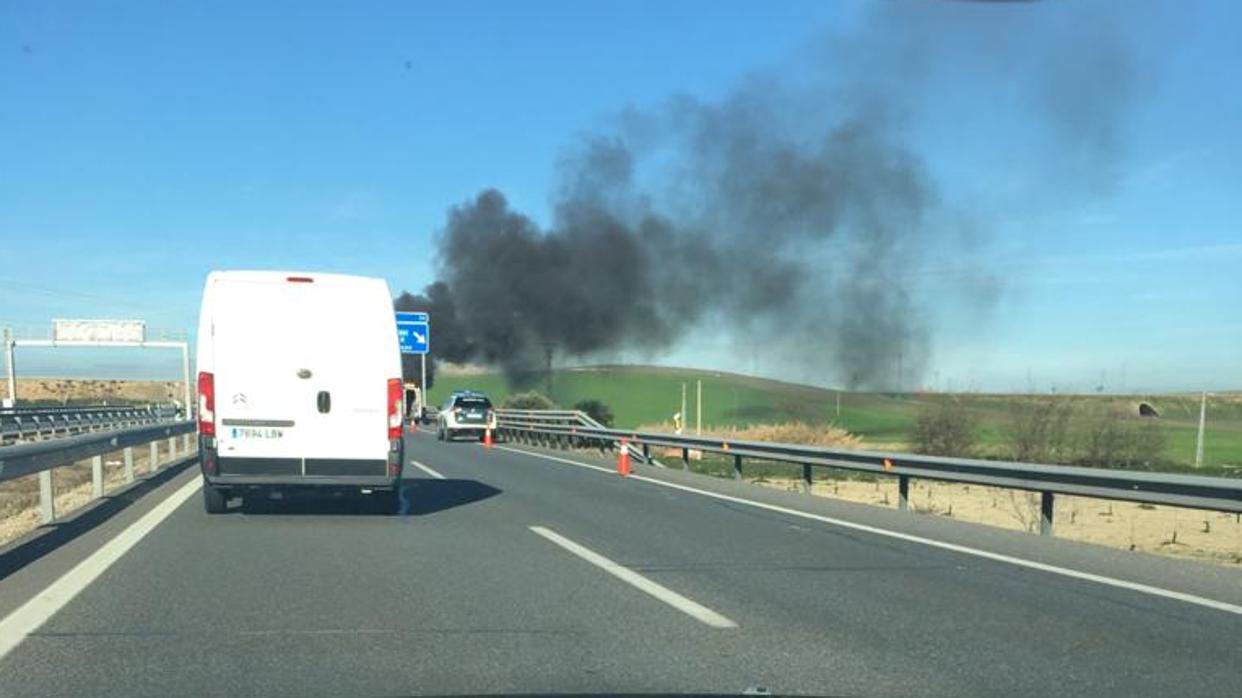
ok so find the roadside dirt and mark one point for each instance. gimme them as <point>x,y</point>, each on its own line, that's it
<point>19,499</point>
<point>1206,536</point>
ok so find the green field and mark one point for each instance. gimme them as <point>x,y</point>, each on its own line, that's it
<point>642,395</point>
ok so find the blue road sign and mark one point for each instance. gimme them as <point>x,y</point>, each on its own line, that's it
<point>414,333</point>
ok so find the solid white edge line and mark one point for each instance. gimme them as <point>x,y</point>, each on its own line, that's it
<point>998,557</point>
<point>30,616</point>
<point>427,469</point>
<point>693,609</point>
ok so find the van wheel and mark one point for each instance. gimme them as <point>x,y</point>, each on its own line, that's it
<point>214,500</point>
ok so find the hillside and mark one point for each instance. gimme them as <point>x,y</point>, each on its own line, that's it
<point>77,391</point>
<point>641,395</point>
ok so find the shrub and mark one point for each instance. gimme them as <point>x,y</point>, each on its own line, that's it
<point>596,410</point>
<point>1038,431</point>
<point>1115,440</point>
<point>945,429</point>
<point>528,401</point>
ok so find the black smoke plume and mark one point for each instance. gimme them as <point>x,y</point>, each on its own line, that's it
<point>794,205</point>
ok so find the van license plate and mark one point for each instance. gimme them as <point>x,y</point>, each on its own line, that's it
<point>257,433</point>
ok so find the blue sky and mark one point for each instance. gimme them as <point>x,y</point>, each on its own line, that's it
<point>144,144</point>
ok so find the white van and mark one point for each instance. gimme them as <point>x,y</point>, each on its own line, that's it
<point>299,386</point>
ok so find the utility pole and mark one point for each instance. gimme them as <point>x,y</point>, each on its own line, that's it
<point>188,407</point>
<point>698,416</point>
<point>683,403</point>
<point>11,365</point>
<point>1202,420</point>
<point>899,376</point>
<point>838,404</point>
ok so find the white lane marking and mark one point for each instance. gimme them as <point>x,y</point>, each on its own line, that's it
<point>31,615</point>
<point>426,469</point>
<point>998,557</point>
<point>693,609</point>
<point>560,460</point>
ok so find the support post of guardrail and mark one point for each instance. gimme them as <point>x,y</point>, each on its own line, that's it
<point>737,467</point>
<point>47,497</point>
<point>903,492</point>
<point>646,453</point>
<point>153,464</point>
<point>97,478</point>
<point>1045,513</point>
<point>172,449</point>
<point>128,455</point>
<point>685,458</point>
<point>806,478</point>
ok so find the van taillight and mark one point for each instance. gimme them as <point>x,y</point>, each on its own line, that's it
<point>395,399</point>
<point>206,404</point>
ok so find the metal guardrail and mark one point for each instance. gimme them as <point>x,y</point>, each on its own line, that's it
<point>36,423</point>
<point>571,418</point>
<point>1195,491</point>
<point>41,457</point>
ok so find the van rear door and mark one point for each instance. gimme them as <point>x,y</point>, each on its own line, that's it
<point>355,354</point>
<point>264,348</point>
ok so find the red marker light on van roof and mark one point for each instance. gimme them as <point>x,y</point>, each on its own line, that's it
<point>300,280</point>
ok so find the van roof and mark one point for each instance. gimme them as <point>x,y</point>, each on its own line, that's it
<point>278,275</point>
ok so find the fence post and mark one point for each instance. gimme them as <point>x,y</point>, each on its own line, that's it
<point>737,467</point>
<point>903,492</point>
<point>47,497</point>
<point>97,479</point>
<point>129,463</point>
<point>806,478</point>
<point>153,463</point>
<point>1045,513</point>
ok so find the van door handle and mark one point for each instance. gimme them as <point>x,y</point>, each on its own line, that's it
<point>324,402</point>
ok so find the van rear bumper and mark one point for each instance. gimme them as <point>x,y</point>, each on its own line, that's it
<point>285,473</point>
<point>299,481</point>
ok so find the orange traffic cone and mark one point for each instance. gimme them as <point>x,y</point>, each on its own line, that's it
<point>487,437</point>
<point>623,458</point>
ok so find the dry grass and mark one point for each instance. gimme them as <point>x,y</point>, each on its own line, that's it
<point>786,432</point>
<point>89,390</point>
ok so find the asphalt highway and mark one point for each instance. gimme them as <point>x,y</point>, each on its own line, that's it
<point>543,572</point>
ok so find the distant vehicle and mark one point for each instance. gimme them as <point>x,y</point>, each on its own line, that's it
<point>465,412</point>
<point>299,386</point>
<point>414,408</point>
